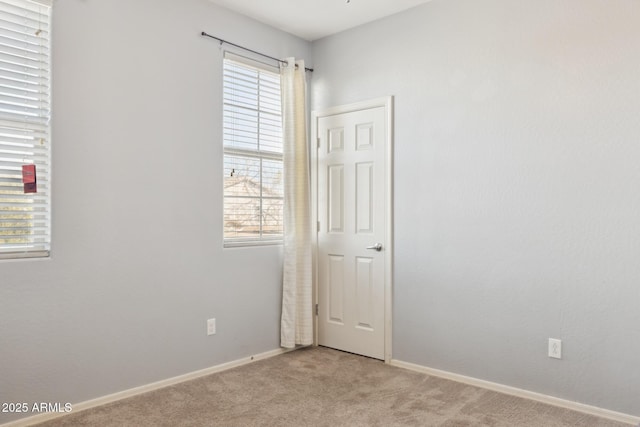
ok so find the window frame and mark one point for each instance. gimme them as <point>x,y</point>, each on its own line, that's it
<point>258,154</point>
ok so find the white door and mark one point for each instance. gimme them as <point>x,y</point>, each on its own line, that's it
<point>352,223</point>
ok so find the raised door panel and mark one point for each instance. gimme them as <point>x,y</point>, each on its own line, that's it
<point>364,293</point>
<point>335,193</point>
<point>335,276</point>
<point>364,198</point>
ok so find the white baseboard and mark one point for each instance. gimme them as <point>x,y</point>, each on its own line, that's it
<point>543,398</point>
<point>40,418</point>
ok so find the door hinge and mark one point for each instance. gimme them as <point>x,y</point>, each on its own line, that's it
<point>318,227</point>
<point>316,309</point>
<point>318,140</point>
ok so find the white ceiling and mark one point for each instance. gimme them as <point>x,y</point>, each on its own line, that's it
<point>314,19</point>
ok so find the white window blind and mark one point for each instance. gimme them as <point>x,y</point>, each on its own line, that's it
<point>24,126</point>
<point>252,138</point>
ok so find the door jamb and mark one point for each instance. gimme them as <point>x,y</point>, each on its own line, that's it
<point>387,103</point>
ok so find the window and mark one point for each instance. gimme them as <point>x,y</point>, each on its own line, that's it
<point>252,139</point>
<point>24,127</point>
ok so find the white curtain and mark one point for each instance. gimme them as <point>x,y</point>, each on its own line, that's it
<point>297,314</point>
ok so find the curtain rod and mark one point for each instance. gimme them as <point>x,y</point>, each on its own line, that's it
<point>250,50</point>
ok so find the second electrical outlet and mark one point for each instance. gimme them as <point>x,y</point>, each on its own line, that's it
<point>555,348</point>
<point>211,327</point>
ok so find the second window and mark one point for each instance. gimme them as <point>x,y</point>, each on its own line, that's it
<point>252,140</point>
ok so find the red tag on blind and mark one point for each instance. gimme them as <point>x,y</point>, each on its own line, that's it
<point>29,178</point>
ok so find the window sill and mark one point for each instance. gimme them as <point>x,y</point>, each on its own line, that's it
<point>24,255</point>
<point>251,243</point>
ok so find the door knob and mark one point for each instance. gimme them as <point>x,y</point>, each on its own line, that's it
<point>376,247</point>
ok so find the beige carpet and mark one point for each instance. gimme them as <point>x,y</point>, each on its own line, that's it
<point>323,387</point>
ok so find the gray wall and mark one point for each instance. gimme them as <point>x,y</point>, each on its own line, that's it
<point>517,186</point>
<point>516,189</point>
<point>137,264</point>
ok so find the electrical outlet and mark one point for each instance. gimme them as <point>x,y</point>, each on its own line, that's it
<point>211,327</point>
<point>555,348</point>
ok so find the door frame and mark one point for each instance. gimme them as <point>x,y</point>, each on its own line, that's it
<point>387,103</point>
